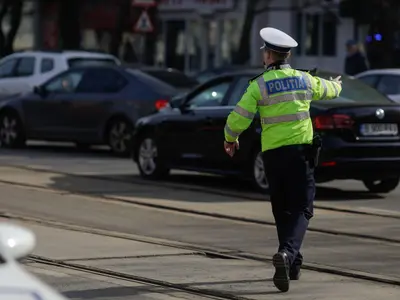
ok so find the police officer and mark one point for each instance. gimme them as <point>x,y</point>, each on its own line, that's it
<point>282,97</point>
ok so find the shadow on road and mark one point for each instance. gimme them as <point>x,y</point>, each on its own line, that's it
<point>215,188</point>
<point>135,186</point>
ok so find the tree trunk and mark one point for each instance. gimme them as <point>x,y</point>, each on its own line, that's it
<point>70,31</point>
<point>242,55</point>
<point>3,12</point>
<point>122,23</point>
<point>15,22</point>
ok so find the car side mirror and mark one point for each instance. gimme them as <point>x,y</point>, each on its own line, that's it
<point>17,241</point>
<point>40,90</point>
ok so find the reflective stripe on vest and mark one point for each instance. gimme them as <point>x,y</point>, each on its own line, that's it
<point>286,118</point>
<point>231,133</point>
<point>243,112</point>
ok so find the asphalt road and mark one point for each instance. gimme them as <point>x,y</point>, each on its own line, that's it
<point>107,205</point>
<point>68,159</point>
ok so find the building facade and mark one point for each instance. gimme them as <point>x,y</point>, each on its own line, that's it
<point>193,35</point>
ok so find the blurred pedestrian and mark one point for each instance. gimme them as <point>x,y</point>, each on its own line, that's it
<point>282,96</point>
<point>355,60</point>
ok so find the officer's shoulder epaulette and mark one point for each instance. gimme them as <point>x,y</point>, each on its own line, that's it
<point>255,77</point>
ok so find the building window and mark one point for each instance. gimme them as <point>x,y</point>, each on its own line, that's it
<point>328,35</point>
<point>312,34</point>
<point>317,34</point>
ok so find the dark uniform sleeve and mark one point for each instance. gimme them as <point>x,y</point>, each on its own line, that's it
<point>242,116</point>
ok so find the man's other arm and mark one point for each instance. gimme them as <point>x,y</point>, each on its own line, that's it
<point>242,116</point>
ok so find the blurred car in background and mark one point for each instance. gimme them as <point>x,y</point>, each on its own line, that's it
<point>208,74</point>
<point>359,130</point>
<point>91,105</point>
<point>387,81</point>
<point>182,82</point>
<point>21,71</point>
<point>15,282</point>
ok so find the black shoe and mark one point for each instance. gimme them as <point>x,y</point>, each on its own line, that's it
<point>294,275</point>
<point>281,277</point>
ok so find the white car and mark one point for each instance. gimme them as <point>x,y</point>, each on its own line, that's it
<point>387,81</point>
<point>21,71</point>
<point>15,282</point>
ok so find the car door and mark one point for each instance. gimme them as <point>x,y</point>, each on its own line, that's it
<point>214,135</point>
<point>390,86</point>
<point>93,102</point>
<point>186,132</point>
<point>46,112</point>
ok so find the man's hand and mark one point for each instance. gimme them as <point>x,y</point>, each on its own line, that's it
<point>230,148</point>
<point>337,79</point>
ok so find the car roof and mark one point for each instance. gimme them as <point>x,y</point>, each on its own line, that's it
<point>65,54</point>
<point>379,72</point>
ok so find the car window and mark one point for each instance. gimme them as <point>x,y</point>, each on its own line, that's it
<point>25,67</point>
<point>389,85</point>
<point>65,83</point>
<point>238,91</point>
<point>46,65</point>
<point>369,79</point>
<point>101,81</point>
<point>82,62</point>
<point>354,90</point>
<point>176,79</point>
<point>7,68</point>
<point>153,83</point>
<point>211,96</point>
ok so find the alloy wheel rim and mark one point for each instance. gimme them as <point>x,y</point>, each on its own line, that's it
<point>259,172</point>
<point>120,137</point>
<point>8,130</point>
<point>147,156</point>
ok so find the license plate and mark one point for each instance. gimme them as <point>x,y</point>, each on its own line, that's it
<point>379,129</point>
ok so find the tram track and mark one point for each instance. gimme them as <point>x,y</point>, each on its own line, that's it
<point>215,215</point>
<point>211,252</point>
<point>204,293</point>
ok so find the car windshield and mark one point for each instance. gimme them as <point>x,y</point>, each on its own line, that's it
<point>356,91</point>
<point>82,62</point>
<point>154,83</point>
<point>176,79</point>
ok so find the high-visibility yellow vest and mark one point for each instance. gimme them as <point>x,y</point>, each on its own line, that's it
<point>282,97</point>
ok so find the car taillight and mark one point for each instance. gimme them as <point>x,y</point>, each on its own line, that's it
<point>161,103</point>
<point>333,122</point>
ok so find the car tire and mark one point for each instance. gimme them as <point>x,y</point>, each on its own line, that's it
<point>12,133</point>
<point>119,136</point>
<point>257,173</point>
<point>382,186</point>
<point>149,164</point>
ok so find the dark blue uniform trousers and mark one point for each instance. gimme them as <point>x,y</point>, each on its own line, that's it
<point>292,191</point>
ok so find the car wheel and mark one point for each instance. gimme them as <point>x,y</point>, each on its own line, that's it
<point>11,131</point>
<point>149,163</point>
<point>119,137</point>
<point>382,186</point>
<point>259,179</point>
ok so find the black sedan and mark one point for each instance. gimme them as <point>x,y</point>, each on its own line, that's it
<point>91,105</point>
<point>360,135</point>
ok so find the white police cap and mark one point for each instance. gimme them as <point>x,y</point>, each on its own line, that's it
<point>277,40</point>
